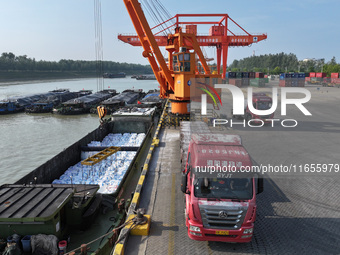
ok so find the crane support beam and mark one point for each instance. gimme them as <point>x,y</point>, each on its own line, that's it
<point>219,36</point>
<point>203,40</point>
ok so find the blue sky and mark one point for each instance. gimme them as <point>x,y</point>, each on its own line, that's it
<point>64,29</point>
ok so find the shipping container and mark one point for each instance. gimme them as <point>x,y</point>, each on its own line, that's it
<point>294,75</point>
<point>307,79</point>
<point>238,75</point>
<point>334,75</point>
<point>251,75</point>
<point>245,82</point>
<point>288,83</point>
<point>320,75</point>
<point>327,80</point>
<point>294,83</point>
<point>236,82</point>
<point>257,82</point>
<point>245,75</point>
<point>301,75</point>
<point>285,83</point>
<point>307,75</point>
<point>259,75</point>
<point>301,83</point>
<point>231,75</point>
<point>335,81</point>
<point>312,75</point>
<point>284,76</point>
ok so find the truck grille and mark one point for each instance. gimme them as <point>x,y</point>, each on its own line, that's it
<point>214,235</point>
<point>223,218</point>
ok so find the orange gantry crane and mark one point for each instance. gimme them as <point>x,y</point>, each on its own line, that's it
<point>184,50</point>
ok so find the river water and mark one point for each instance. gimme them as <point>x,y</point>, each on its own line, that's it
<point>29,140</point>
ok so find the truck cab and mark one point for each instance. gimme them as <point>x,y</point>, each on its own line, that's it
<point>260,102</point>
<point>219,207</point>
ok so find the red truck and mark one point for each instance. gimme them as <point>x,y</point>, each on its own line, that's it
<point>260,102</point>
<point>222,208</point>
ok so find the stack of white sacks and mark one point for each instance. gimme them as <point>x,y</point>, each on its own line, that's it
<point>107,173</point>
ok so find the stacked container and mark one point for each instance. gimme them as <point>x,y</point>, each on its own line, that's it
<point>292,80</point>
<point>307,77</point>
<point>236,82</point>
<point>335,78</point>
<point>258,80</point>
<point>320,77</point>
<point>245,79</point>
<point>301,79</point>
<point>285,80</point>
<point>266,79</point>
<point>234,78</point>
<point>251,75</point>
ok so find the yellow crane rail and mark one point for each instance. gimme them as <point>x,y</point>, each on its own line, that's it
<point>100,156</point>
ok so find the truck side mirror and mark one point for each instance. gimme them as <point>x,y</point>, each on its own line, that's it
<point>184,183</point>
<point>259,185</point>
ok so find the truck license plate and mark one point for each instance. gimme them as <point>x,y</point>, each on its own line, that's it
<point>223,233</point>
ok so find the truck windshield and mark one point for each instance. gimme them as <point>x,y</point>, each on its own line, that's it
<point>263,105</point>
<point>224,188</point>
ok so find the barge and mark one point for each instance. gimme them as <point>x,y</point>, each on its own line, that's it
<point>66,194</point>
<point>84,104</point>
<point>46,105</point>
<point>127,97</point>
<point>152,98</point>
<point>146,77</point>
<point>114,75</point>
<point>9,106</point>
<point>39,102</point>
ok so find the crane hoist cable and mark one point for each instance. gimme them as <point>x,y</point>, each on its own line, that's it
<point>158,10</point>
<point>167,15</point>
<point>159,15</point>
<point>98,44</point>
<point>147,8</point>
<point>165,11</point>
<point>153,14</point>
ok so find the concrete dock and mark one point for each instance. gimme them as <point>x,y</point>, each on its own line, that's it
<point>295,214</point>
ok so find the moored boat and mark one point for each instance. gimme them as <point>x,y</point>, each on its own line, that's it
<point>152,99</point>
<point>84,104</point>
<point>114,75</point>
<point>146,77</point>
<point>7,107</point>
<point>46,105</point>
<point>69,194</point>
<point>127,97</point>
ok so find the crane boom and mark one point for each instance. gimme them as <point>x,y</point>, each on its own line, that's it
<point>148,42</point>
<point>183,49</point>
